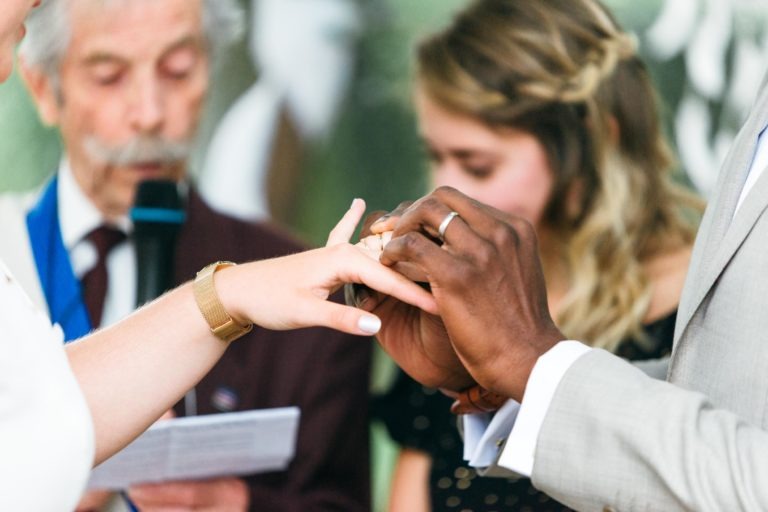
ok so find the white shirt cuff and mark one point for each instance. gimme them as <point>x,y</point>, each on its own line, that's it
<point>518,453</point>
<point>485,434</point>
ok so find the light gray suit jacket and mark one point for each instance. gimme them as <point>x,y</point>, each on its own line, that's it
<point>614,439</point>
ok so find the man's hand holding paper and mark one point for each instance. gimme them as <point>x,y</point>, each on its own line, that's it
<point>215,494</point>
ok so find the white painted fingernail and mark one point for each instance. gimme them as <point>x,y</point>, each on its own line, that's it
<point>369,324</point>
<point>355,200</point>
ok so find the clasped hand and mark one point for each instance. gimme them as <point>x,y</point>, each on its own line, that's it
<point>484,273</point>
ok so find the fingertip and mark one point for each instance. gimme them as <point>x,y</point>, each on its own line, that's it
<point>345,228</point>
<point>369,324</point>
<point>357,203</point>
<point>381,224</point>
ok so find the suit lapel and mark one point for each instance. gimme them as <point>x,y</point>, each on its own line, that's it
<point>721,233</point>
<point>742,224</point>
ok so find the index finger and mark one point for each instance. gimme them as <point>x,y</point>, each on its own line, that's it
<point>455,219</point>
<point>388,221</point>
<point>483,218</point>
<point>435,219</point>
<point>372,218</point>
<point>362,269</point>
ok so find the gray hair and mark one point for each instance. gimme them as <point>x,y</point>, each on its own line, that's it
<point>49,31</point>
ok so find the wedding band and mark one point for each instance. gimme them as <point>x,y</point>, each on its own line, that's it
<point>444,225</point>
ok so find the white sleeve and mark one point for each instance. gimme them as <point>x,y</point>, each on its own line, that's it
<point>46,432</point>
<point>519,424</point>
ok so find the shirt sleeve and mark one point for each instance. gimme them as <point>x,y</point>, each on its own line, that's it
<point>514,430</point>
<point>46,433</point>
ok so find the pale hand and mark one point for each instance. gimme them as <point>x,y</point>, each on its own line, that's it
<point>221,495</point>
<point>299,285</point>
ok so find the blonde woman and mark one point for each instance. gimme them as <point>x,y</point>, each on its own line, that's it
<point>542,109</point>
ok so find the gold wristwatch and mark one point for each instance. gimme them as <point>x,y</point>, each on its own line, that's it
<point>222,325</point>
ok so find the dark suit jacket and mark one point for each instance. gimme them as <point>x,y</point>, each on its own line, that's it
<point>323,372</point>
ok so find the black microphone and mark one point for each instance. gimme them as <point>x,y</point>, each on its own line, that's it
<point>157,216</point>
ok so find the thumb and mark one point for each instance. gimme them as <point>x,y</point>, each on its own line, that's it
<point>344,318</point>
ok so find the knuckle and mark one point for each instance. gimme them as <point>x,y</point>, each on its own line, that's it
<point>431,202</point>
<point>402,206</point>
<point>343,317</point>
<point>517,234</point>
<point>411,243</point>
<point>506,235</point>
<point>485,256</point>
<point>444,191</point>
<point>462,272</point>
<point>337,250</point>
<point>522,227</point>
<point>343,252</point>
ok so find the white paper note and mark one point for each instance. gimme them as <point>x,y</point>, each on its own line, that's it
<point>199,447</point>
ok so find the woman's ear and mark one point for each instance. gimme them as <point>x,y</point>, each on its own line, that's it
<point>43,91</point>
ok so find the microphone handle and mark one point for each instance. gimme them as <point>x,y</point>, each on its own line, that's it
<point>154,266</point>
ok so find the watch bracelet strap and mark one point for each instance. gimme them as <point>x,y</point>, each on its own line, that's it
<point>477,400</point>
<point>220,322</point>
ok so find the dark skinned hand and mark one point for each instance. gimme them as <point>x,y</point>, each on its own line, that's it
<point>489,287</point>
<point>415,339</point>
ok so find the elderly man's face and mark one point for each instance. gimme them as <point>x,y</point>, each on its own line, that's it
<point>132,84</point>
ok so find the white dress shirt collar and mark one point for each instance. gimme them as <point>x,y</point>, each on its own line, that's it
<point>78,216</point>
<point>758,165</point>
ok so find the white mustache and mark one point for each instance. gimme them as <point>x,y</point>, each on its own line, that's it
<point>140,150</point>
